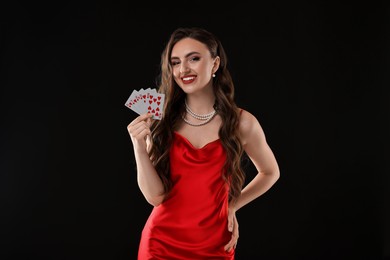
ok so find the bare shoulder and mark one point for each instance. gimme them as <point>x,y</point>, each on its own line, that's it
<point>249,126</point>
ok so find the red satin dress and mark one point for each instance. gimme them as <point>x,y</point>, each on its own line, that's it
<point>192,223</point>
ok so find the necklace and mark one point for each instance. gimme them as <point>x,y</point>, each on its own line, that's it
<point>198,116</point>
<point>202,123</point>
<point>205,118</point>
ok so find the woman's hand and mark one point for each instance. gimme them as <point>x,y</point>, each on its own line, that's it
<point>139,130</point>
<point>233,228</point>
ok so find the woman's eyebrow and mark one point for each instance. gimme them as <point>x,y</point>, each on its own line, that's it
<point>187,55</point>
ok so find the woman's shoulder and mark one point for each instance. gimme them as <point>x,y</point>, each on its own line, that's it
<point>247,124</point>
<point>247,119</point>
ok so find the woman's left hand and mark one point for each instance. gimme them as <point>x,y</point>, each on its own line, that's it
<point>233,228</point>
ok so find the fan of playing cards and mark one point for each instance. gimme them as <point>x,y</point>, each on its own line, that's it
<point>146,101</point>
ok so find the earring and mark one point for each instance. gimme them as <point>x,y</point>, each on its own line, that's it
<point>213,75</point>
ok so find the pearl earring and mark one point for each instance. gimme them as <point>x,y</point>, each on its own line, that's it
<point>213,75</point>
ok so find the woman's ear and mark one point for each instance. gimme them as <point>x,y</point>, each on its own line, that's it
<point>216,64</point>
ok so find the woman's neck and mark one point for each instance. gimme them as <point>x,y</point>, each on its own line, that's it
<point>201,104</point>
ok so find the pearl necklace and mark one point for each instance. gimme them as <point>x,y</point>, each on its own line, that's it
<point>205,118</point>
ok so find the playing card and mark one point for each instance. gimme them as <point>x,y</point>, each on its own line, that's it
<point>137,99</point>
<point>146,100</point>
<point>144,95</point>
<point>131,102</point>
<point>155,102</point>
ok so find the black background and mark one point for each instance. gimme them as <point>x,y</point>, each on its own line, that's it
<point>314,74</point>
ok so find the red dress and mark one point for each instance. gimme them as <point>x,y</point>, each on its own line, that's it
<point>192,223</point>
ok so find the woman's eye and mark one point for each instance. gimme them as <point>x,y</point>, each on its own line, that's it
<point>195,58</point>
<point>173,63</point>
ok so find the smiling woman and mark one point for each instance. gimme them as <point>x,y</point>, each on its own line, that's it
<point>189,162</point>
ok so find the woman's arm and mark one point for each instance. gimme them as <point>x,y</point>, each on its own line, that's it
<point>255,145</point>
<point>261,155</point>
<point>148,180</point>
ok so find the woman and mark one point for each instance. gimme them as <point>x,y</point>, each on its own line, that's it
<point>189,162</point>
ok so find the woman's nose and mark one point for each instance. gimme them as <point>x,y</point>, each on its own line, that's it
<point>183,68</point>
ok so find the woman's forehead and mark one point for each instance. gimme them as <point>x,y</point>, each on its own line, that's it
<point>186,46</point>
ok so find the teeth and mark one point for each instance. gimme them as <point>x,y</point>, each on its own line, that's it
<point>189,78</point>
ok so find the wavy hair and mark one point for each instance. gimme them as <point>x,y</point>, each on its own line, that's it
<point>162,130</point>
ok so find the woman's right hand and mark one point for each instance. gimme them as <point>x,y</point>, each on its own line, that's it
<point>139,130</point>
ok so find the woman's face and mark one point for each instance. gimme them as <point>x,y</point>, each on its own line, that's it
<point>192,65</point>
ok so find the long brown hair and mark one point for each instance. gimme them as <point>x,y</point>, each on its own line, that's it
<point>162,130</point>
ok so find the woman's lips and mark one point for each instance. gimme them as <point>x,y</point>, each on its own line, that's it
<point>188,79</point>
